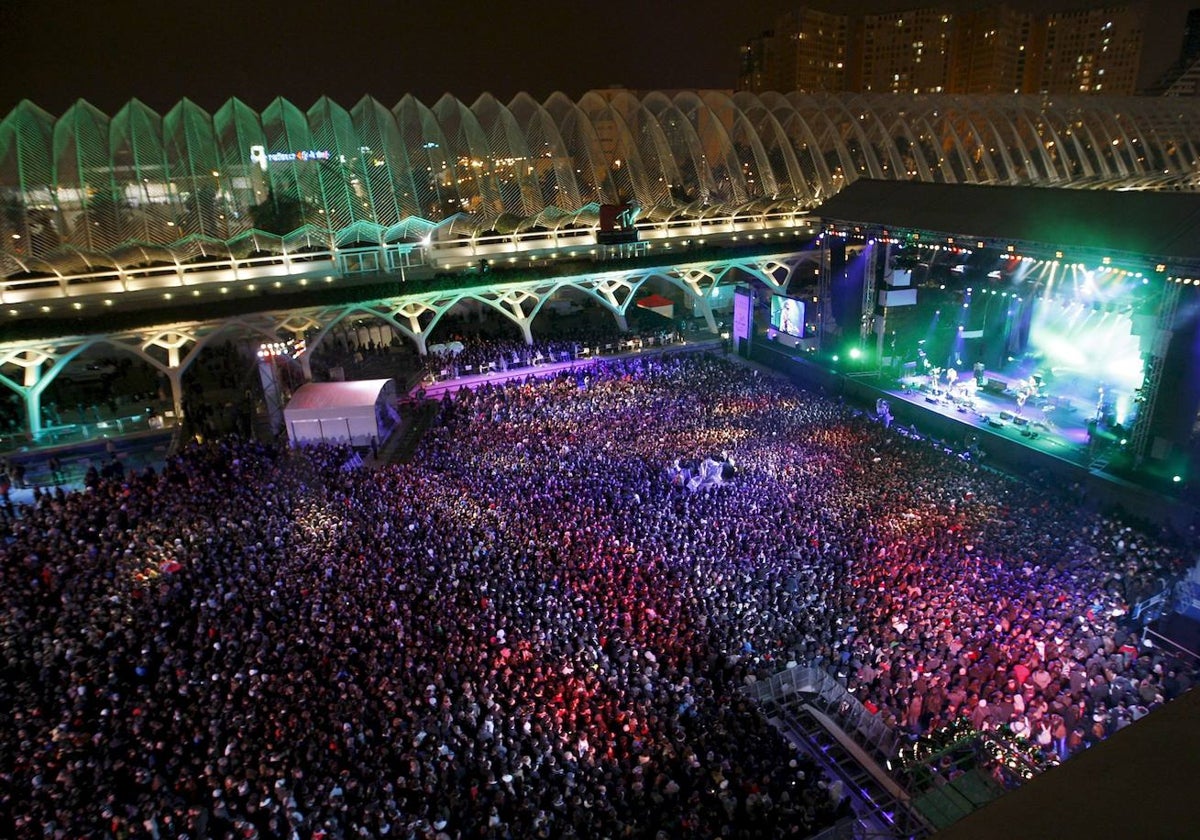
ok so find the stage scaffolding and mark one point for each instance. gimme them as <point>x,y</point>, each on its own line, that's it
<point>877,251</point>
<point>915,795</point>
<point>1156,359</point>
<point>867,322</point>
<point>819,716</point>
<point>824,293</point>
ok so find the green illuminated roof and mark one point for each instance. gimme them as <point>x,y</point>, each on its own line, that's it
<point>1158,224</point>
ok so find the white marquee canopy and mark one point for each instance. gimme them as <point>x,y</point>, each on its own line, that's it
<point>341,412</point>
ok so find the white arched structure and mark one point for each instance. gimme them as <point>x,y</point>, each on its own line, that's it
<point>28,367</point>
<point>83,192</point>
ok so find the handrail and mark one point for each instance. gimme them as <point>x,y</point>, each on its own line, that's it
<point>392,257</point>
<point>1148,608</point>
<point>1163,640</point>
<point>183,274</point>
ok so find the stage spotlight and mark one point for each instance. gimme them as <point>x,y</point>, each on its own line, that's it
<point>855,353</point>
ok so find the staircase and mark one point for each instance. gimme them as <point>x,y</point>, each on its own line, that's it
<point>1102,458</point>
<point>401,445</point>
<point>819,717</point>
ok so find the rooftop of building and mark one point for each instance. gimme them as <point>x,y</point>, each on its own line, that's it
<point>1163,225</point>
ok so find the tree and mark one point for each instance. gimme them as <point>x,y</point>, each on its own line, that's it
<point>12,218</point>
<point>279,213</point>
<point>98,227</point>
<point>200,213</point>
<point>43,233</point>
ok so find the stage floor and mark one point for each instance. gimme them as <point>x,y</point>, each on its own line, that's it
<point>1055,424</point>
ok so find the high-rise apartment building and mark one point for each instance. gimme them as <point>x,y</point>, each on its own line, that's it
<point>815,52</point>
<point>907,52</point>
<point>950,48</point>
<point>988,51</point>
<point>758,65</point>
<point>805,51</point>
<point>1090,51</point>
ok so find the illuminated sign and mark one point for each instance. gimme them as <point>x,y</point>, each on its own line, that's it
<point>260,155</point>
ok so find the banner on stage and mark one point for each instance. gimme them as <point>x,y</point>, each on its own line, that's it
<point>898,297</point>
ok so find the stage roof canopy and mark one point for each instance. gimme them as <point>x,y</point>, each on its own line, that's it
<point>315,396</point>
<point>1164,225</point>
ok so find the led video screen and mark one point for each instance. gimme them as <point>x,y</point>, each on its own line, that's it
<point>787,315</point>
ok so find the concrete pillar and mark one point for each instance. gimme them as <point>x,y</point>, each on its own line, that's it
<point>175,377</point>
<point>33,412</point>
<point>706,311</point>
<point>32,394</point>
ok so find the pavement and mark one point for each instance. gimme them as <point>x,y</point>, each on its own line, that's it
<point>134,451</point>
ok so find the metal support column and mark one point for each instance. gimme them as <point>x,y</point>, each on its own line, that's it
<point>824,292</point>
<point>868,298</point>
<point>1156,358</point>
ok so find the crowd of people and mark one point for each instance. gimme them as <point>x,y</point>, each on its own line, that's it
<point>531,631</point>
<point>473,356</point>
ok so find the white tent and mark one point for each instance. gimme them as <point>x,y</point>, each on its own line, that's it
<point>454,347</point>
<point>341,412</point>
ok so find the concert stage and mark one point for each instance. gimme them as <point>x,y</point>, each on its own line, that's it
<point>1053,442</point>
<point>1097,299</point>
<point>1013,407</point>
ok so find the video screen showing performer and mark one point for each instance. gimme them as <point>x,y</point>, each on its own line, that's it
<point>787,315</point>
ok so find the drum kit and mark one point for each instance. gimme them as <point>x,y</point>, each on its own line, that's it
<point>959,392</point>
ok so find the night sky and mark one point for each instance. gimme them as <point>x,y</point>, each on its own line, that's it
<point>109,51</point>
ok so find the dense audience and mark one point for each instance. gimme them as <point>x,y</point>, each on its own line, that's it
<point>474,355</point>
<point>531,631</point>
